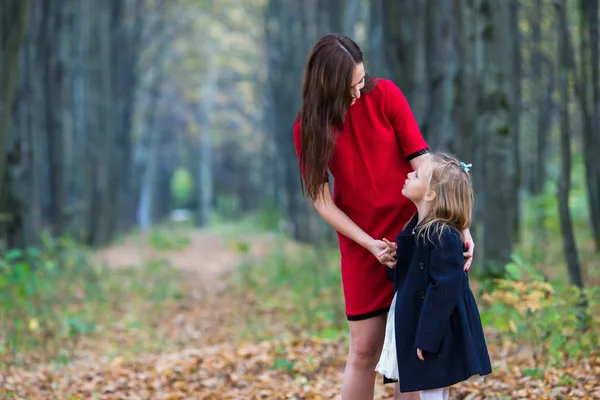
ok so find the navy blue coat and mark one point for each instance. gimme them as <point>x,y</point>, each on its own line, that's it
<point>436,312</point>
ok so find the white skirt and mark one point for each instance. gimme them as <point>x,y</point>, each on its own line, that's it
<point>388,362</point>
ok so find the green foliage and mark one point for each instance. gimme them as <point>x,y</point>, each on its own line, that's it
<point>52,297</point>
<point>182,187</point>
<point>40,290</point>
<point>302,284</point>
<point>164,239</point>
<point>269,217</point>
<point>227,205</point>
<point>541,235</point>
<point>559,322</point>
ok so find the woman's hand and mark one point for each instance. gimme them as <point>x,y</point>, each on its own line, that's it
<point>470,247</point>
<point>382,251</point>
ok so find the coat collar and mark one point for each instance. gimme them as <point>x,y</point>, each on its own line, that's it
<point>409,229</point>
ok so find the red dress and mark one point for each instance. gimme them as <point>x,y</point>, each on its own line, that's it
<point>369,165</point>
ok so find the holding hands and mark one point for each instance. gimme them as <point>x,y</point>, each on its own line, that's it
<point>385,251</point>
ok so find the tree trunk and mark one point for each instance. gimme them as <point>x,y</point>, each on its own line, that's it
<point>403,47</point>
<point>594,141</point>
<point>583,97</point>
<point>442,68</point>
<point>468,93</point>
<point>205,176</point>
<point>499,135</point>
<point>564,182</point>
<point>14,18</point>
<point>516,113</point>
<point>291,33</point>
<point>543,102</point>
<point>274,32</point>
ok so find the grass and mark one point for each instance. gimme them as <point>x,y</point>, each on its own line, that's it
<point>53,301</point>
<point>300,283</point>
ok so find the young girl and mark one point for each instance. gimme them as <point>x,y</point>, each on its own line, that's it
<point>434,336</point>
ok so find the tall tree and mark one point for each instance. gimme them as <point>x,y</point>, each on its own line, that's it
<point>14,18</point>
<point>497,135</point>
<point>442,68</point>
<point>468,85</point>
<point>68,148</point>
<point>564,182</point>
<point>543,87</point>
<point>397,49</point>
<point>290,34</point>
<point>592,128</point>
<point>516,110</point>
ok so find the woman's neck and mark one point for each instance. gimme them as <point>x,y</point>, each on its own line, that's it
<point>423,209</point>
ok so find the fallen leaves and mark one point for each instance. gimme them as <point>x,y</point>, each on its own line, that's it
<point>313,370</point>
<point>208,361</point>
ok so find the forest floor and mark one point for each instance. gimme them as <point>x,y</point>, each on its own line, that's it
<point>208,357</point>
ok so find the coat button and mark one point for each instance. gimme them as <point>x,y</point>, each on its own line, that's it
<point>421,265</point>
<point>423,295</point>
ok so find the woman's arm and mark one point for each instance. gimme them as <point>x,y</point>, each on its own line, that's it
<point>415,162</point>
<point>344,225</point>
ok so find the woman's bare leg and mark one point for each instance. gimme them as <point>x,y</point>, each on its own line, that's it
<point>366,342</point>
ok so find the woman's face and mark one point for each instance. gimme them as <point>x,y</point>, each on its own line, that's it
<point>358,82</point>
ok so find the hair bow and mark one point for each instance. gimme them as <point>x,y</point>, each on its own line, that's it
<point>466,166</point>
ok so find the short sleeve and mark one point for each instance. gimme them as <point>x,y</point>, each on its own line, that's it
<point>298,146</point>
<point>404,123</point>
<point>297,140</point>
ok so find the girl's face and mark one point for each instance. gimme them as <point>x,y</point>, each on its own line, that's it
<point>415,186</point>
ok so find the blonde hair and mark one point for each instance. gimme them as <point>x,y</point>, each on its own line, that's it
<point>452,206</point>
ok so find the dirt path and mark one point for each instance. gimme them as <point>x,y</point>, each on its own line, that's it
<point>207,254</point>
<point>208,261</point>
<point>216,365</point>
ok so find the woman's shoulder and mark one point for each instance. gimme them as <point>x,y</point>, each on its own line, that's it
<point>384,86</point>
<point>381,86</point>
<point>387,93</point>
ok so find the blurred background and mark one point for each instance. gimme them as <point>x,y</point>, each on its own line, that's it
<point>165,120</point>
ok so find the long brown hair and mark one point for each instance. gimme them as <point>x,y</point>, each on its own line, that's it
<point>453,203</point>
<point>326,98</point>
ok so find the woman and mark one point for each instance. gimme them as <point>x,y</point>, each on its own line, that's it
<point>363,131</point>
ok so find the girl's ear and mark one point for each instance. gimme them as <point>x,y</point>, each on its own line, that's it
<point>430,195</point>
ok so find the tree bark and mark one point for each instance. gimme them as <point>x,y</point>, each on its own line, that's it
<point>593,164</point>
<point>515,111</point>
<point>14,18</point>
<point>564,182</point>
<point>498,134</point>
<point>205,115</point>
<point>403,47</point>
<point>442,68</point>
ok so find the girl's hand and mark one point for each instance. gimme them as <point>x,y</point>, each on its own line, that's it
<point>420,354</point>
<point>392,252</point>
<point>381,251</point>
<point>391,246</point>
